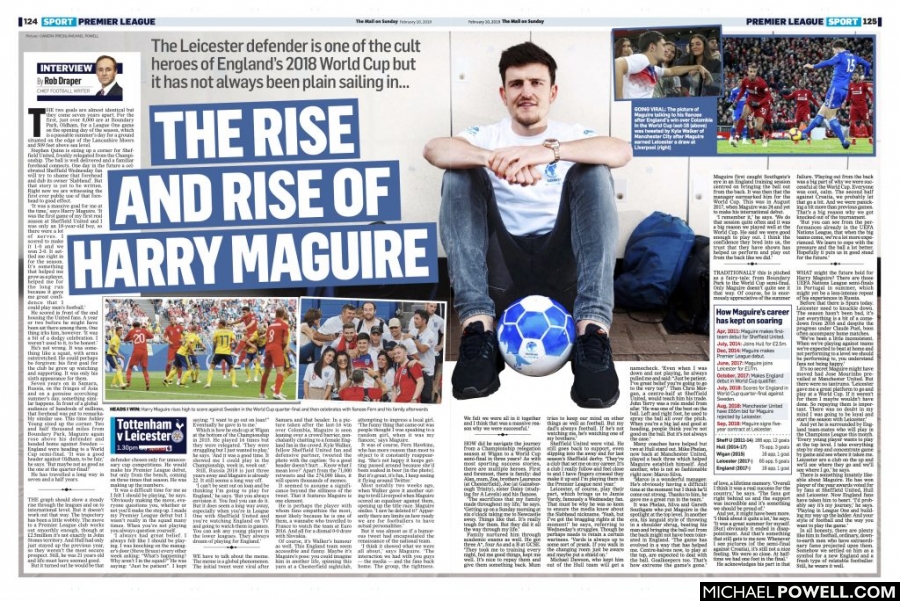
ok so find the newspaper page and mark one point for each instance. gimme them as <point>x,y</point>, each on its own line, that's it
<point>379,294</point>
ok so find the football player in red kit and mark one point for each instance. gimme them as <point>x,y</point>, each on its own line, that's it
<point>172,335</point>
<point>278,338</point>
<point>859,92</point>
<point>802,97</point>
<point>758,106</point>
<point>250,326</point>
<point>138,335</point>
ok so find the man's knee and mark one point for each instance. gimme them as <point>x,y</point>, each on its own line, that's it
<point>580,172</point>
<point>591,179</point>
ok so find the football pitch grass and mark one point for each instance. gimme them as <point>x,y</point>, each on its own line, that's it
<point>828,146</point>
<point>220,389</point>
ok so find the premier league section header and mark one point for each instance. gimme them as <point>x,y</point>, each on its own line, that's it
<point>95,22</point>
<point>813,21</point>
<point>311,176</point>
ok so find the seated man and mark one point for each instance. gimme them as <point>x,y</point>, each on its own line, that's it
<point>527,207</point>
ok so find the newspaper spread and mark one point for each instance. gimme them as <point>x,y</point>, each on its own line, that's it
<point>251,250</point>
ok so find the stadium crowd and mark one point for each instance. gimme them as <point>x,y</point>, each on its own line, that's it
<point>123,311</point>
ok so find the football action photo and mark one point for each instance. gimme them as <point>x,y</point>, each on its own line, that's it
<point>798,95</point>
<point>203,349</point>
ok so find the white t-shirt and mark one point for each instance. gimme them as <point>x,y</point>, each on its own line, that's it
<point>334,325</point>
<point>317,382</point>
<point>362,326</point>
<point>304,338</point>
<point>640,78</point>
<point>427,358</point>
<point>388,379</point>
<point>528,210</point>
<point>411,350</point>
<point>435,324</point>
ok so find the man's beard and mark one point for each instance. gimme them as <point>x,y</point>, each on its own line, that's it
<point>527,120</point>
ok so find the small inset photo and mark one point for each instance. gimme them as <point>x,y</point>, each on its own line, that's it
<point>380,351</point>
<point>667,62</point>
<point>798,95</point>
<point>200,349</point>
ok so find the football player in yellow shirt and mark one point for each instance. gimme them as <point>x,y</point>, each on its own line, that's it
<point>224,340</point>
<point>112,356</point>
<point>251,354</point>
<point>182,365</point>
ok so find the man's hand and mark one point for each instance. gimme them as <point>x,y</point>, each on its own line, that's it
<point>517,164</point>
<point>528,176</point>
<point>707,76</point>
<point>703,72</point>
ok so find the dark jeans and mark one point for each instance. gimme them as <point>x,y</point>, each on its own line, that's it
<point>309,353</point>
<point>573,263</point>
<point>427,389</point>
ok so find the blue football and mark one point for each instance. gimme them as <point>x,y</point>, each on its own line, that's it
<point>536,335</point>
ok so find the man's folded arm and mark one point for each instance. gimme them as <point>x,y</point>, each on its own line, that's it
<point>600,150</point>
<point>455,153</point>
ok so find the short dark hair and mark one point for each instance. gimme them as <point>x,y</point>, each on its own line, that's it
<point>839,44</point>
<point>523,54</point>
<point>423,314</point>
<point>348,307</point>
<point>363,336</point>
<point>107,57</point>
<point>349,326</point>
<point>222,323</point>
<point>647,38</point>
